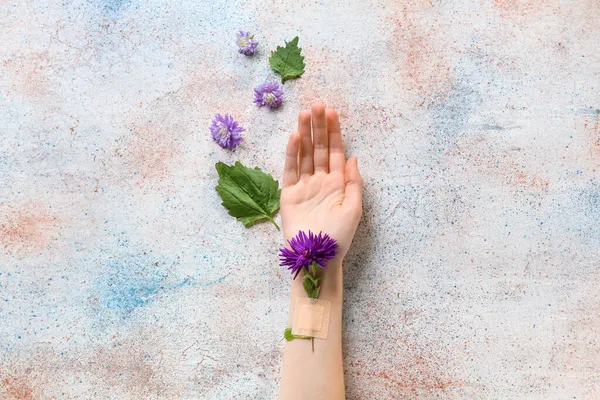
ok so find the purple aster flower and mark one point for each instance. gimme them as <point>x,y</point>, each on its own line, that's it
<point>245,41</point>
<point>268,94</point>
<point>226,131</point>
<point>307,249</point>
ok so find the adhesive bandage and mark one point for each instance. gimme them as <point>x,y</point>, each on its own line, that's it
<point>311,317</point>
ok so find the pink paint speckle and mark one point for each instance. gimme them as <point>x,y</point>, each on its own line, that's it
<point>16,389</point>
<point>27,230</point>
<point>151,151</point>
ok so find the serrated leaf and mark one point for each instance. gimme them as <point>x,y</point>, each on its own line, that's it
<point>288,60</point>
<point>249,194</point>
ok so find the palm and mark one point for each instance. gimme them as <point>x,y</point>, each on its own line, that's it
<point>313,204</point>
<point>322,192</point>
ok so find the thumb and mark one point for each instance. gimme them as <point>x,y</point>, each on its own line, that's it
<point>354,186</point>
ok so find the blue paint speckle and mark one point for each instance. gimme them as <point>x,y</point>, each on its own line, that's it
<point>450,111</point>
<point>112,6</point>
<point>131,284</point>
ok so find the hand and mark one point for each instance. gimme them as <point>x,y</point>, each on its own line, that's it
<point>321,190</point>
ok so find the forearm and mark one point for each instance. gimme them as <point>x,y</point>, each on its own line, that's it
<point>321,191</point>
<point>318,374</point>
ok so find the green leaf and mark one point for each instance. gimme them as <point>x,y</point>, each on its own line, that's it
<point>248,194</point>
<point>313,268</point>
<point>311,278</point>
<point>288,335</point>
<point>287,60</point>
<point>315,293</point>
<point>309,286</point>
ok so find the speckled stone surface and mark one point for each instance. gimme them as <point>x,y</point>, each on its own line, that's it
<point>475,270</point>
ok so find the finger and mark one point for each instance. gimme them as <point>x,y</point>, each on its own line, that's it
<point>354,186</point>
<point>290,169</point>
<point>306,148</point>
<point>320,143</point>
<point>337,160</point>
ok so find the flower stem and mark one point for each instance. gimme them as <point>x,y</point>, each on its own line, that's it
<point>274,223</point>
<point>311,282</point>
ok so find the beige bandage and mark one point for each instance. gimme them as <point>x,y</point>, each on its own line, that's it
<point>311,317</point>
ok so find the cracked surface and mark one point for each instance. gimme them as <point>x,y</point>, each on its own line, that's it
<point>474,272</point>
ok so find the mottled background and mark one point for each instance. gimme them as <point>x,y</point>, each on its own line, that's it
<point>475,271</point>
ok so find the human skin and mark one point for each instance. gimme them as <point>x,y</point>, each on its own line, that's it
<point>322,191</point>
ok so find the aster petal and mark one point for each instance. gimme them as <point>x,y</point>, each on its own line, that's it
<point>297,272</point>
<point>246,43</point>
<point>268,94</point>
<point>297,245</point>
<point>226,131</point>
<point>306,249</point>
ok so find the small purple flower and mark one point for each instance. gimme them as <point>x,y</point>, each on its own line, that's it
<point>307,249</point>
<point>268,94</point>
<point>245,41</point>
<point>226,132</point>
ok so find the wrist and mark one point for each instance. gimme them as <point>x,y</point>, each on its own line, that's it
<point>333,271</point>
<point>332,276</point>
